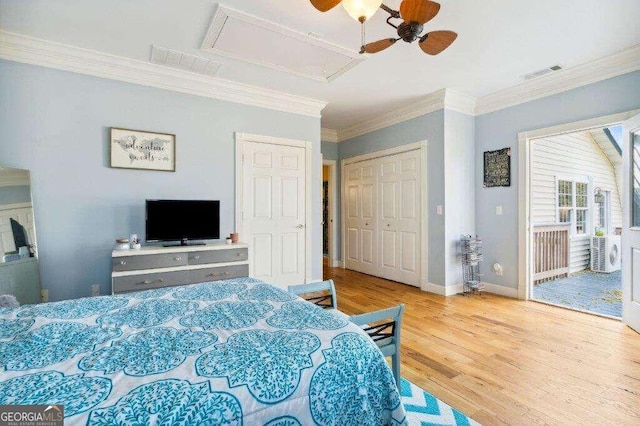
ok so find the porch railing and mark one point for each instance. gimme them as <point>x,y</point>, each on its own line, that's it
<point>551,248</point>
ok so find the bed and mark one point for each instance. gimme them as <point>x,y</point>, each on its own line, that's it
<point>229,352</point>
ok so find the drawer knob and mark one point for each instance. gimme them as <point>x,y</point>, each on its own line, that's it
<point>213,274</point>
<point>177,258</point>
<point>123,262</point>
<point>227,273</point>
<point>240,254</point>
<point>146,282</point>
<point>197,257</point>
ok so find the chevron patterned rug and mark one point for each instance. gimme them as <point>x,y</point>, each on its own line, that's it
<point>424,409</point>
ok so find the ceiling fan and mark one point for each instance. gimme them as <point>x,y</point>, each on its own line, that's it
<point>414,14</point>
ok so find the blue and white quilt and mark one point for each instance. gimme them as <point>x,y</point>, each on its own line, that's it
<point>229,352</point>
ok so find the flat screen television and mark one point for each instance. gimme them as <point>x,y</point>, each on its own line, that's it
<point>182,220</point>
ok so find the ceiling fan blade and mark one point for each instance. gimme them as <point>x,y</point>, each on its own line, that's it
<point>421,11</point>
<point>378,46</point>
<point>436,41</point>
<point>325,5</point>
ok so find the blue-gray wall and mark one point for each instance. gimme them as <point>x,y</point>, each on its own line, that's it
<point>56,124</point>
<point>329,150</point>
<point>15,194</point>
<point>500,130</point>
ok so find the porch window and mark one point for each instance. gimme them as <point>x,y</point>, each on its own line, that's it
<point>573,205</point>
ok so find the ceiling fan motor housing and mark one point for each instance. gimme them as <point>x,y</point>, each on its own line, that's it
<point>410,31</point>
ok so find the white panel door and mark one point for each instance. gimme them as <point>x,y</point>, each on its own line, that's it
<point>399,230</point>
<point>273,179</point>
<point>361,203</point>
<point>631,227</point>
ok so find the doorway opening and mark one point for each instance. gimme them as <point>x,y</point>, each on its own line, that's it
<point>329,199</point>
<point>576,218</point>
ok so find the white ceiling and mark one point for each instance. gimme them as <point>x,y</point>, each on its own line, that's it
<point>499,41</point>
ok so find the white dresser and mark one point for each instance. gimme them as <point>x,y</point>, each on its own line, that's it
<point>155,267</point>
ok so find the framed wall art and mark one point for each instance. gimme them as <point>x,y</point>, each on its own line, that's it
<point>497,168</point>
<point>142,150</point>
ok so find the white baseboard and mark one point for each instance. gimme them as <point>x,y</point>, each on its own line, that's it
<point>453,289</point>
<point>501,290</point>
<point>435,289</point>
<point>449,290</point>
<point>336,263</point>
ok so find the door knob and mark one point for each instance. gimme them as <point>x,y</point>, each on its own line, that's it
<point>300,226</point>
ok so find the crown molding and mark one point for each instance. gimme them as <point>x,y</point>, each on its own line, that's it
<point>430,103</point>
<point>445,98</point>
<point>601,69</point>
<point>329,135</point>
<point>34,51</point>
<point>460,102</point>
<point>610,66</point>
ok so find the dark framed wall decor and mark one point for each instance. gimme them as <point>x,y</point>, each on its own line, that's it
<point>142,150</point>
<point>497,168</point>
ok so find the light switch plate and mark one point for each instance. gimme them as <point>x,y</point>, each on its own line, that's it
<point>439,210</point>
<point>499,210</point>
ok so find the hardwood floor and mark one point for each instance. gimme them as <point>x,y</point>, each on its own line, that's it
<point>506,361</point>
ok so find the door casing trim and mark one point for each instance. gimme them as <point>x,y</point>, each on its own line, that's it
<point>524,186</point>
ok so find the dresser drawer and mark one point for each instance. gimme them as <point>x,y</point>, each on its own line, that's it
<point>215,274</point>
<point>217,256</point>
<point>149,281</point>
<point>134,263</point>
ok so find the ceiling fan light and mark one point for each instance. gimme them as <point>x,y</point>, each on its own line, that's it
<point>359,9</point>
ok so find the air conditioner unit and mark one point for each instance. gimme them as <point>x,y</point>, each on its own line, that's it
<point>605,253</point>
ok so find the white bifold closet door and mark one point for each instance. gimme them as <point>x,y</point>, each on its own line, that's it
<point>383,217</point>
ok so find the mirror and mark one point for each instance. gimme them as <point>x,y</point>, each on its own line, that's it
<point>19,275</point>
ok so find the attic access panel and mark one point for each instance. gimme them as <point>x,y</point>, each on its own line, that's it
<point>247,38</point>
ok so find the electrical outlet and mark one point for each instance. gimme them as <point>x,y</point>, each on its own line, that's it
<point>499,210</point>
<point>95,290</point>
<point>44,295</point>
<point>439,210</point>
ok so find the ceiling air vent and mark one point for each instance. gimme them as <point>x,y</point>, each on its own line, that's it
<point>184,61</point>
<point>541,72</point>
